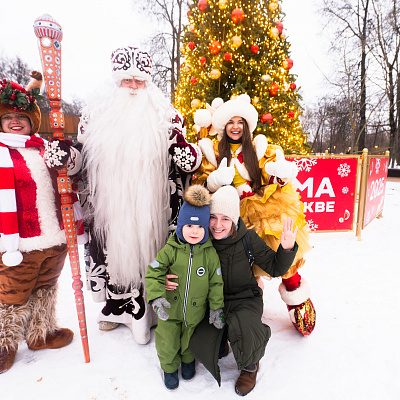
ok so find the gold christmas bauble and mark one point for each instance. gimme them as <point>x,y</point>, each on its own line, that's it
<point>222,4</point>
<point>195,103</point>
<point>255,100</point>
<point>215,73</point>
<point>273,6</point>
<point>266,78</point>
<point>274,33</point>
<point>236,42</point>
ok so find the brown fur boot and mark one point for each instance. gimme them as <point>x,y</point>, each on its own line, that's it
<point>13,320</point>
<point>42,331</point>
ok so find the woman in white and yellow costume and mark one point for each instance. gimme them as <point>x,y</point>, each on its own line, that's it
<point>263,179</point>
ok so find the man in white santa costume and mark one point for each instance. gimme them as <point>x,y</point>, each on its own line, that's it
<point>136,164</point>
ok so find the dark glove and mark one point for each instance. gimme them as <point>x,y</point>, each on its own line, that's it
<point>56,153</point>
<point>158,306</point>
<point>183,153</point>
<point>217,318</point>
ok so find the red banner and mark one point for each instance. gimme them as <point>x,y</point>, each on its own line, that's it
<point>327,187</point>
<point>376,185</point>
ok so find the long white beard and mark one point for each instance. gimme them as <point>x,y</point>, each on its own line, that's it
<point>126,158</point>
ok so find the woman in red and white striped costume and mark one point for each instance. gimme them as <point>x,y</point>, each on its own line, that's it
<point>32,243</point>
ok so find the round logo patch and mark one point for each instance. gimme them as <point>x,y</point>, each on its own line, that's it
<point>201,271</point>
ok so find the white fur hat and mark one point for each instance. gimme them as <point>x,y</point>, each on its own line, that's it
<point>127,62</point>
<point>238,107</point>
<point>225,201</point>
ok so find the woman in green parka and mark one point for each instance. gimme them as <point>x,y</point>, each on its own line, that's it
<point>243,308</point>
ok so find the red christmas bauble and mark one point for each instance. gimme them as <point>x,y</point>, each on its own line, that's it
<point>290,114</point>
<point>288,63</point>
<point>255,48</point>
<point>227,56</point>
<point>188,13</point>
<point>265,118</point>
<point>279,25</point>
<point>293,86</point>
<point>203,60</point>
<point>215,47</point>
<point>193,80</point>
<point>273,90</point>
<point>202,5</point>
<point>191,45</point>
<point>237,15</point>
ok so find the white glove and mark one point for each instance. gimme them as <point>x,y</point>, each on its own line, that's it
<point>281,168</point>
<point>220,177</point>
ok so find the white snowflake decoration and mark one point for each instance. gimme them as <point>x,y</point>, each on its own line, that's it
<point>305,164</point>
<point>312,225</point>
<point>53,154</point>
<point>184,158</point>
<point>377,165</point>
<point>345,190</point>
<point>343,170</point>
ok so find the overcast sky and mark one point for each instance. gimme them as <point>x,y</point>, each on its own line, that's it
<point>93,28</point>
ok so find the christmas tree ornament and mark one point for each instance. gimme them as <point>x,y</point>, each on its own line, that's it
<point>202,5</point>
<point>290,114</point>
<point>273,90</point>
<point>274,33</point>
<point>255,100</point>
<point>237,15</point>
<point>188,67</point>
<point>191,28</point>
<point>266,78</point>
<point>288,63</point>
<point>215,47</point>
<point>293,86</point>
<point>191,45</point>
<point>195,103</point>
<point>236,41</point>
<point>279,26</point>
<point>222,4</point>
<point>267,118</point>
<point>193,80</point>
<point>254,48</point>
<point>215,73</point>
<point>227,56</point>
<point>283,35</point>
<point>202,60</point>
<point>273,6</point>
<point>49,34</point>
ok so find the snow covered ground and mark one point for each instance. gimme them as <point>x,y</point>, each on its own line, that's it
<point>354,352</point>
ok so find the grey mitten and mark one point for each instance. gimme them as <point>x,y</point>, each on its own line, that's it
<point>217,318</point>
<point>158,305</point>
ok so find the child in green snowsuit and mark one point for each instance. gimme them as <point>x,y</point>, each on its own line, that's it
<point>190,255</point>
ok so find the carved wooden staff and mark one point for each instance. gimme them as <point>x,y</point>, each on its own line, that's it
<point>49,34</point>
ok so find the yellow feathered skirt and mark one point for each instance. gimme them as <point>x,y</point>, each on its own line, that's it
<point>265,214</point>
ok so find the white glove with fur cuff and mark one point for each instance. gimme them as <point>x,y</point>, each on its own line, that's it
<point>282,170</point>
<point>220,177</point>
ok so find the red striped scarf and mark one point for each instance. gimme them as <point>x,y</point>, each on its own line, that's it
<point>8,205</point>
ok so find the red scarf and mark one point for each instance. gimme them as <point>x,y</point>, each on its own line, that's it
<point>8,205</point>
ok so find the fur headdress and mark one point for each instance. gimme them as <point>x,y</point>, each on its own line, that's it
<point>127,62</point>
<point>238,107</point>
<point>195,211</point>
<point>15,98</point>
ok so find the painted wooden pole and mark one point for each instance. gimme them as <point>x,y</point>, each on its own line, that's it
<point>49,34</point>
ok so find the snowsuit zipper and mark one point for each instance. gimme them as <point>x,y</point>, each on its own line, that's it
<point>187,284</point>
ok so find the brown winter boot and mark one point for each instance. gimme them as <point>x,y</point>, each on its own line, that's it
<point>60,338</point>
<point>12,328</point>
<point>42,331</point>
<point>246,381</point>
<point>7,358</point>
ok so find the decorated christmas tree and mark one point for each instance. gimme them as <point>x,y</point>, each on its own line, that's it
<point>232,47</point>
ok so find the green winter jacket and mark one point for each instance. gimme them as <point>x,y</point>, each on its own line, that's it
<point>199,279</point>
<point>243,308</point>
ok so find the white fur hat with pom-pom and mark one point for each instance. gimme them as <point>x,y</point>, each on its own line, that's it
<point>237,107</point>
